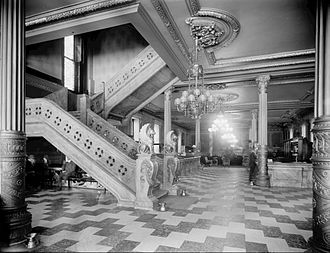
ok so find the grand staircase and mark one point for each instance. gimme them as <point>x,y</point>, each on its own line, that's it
<point>105,162</point>
<point>90,141</point>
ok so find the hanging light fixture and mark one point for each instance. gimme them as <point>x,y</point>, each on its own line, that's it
<point>197,100</point>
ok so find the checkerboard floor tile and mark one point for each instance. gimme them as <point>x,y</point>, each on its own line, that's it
<point>221,213</point>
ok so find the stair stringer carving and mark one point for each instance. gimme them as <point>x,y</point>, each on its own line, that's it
<point>88,150</point>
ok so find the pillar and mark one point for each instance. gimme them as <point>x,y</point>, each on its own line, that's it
<point>14,218</point>
<point>198,136</point>
<point>311,136</point>
<point>304,130</point>
<point>254,132</point>
<point>262,175</point>
<point>321,131</point>
<point>211,143</point>
<point>179,141</point>
<point>167,113</point>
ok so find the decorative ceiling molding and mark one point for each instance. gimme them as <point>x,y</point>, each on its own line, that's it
<point>216,86</point>
<point>193,6</point>
<point>73,11</point>
<point>266,65</point>
<point>258,58</point>
<point>273,105</point>
<point>247,82</point>
<point>215,28</point>
<point>169,23</point>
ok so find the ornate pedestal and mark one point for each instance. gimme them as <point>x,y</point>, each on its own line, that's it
<point>321,185</point>
<point>262,176</point>
<point>14,218</point>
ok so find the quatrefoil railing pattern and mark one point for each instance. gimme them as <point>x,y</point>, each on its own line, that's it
<point>87,140</point>
<point>141,62</point>
<point>117,138</point>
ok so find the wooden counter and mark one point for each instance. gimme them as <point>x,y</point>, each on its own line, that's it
<point>296,174</point>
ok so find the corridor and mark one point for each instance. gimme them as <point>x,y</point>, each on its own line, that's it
<point>221,213</point>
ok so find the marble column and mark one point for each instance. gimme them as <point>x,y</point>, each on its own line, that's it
<point>211,143</point>
<point>14,218</point>
<point>262,175</point>
<point>179,141</point>
<point>321,131</point>
<point>311,135</point>
<point>198,136</point>
<point>167,113</point>
<point>254,132</point>
<point>304,130</point>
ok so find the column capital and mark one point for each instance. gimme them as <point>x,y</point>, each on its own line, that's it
<point>254,113</point>
<point>168,93</point>
<point>262,82</point>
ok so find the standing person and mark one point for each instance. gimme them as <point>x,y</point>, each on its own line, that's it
<point>44,171</point>
<point>252,165</point>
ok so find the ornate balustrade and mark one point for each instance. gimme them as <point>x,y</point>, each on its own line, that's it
<point>60,123</point>
<point>117,138</point>
<point>134,74</point>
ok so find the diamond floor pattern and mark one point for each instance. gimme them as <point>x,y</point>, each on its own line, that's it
<point>228,216</point>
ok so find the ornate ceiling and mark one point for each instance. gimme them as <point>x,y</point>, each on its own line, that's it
<point>242,39</point>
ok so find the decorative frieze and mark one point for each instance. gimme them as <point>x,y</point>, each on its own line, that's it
<point>73,12</point>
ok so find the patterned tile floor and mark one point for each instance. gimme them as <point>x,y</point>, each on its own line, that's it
<point>221,213</point>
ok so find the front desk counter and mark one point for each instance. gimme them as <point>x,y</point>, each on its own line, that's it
<point>295,174</point>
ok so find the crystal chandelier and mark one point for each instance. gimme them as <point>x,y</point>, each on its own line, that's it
<point>197,100</point>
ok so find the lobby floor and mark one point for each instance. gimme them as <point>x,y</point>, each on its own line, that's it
<point>221,213</point>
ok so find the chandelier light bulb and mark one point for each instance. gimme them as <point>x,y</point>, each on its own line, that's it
<point>197,92</point>
<point>191,98</point>
<point>177,101</point>
<point>202,98</point>
<point>183,99</point>
<point>185,93</point>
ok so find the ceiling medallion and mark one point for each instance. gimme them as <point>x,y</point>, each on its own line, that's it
<point>215,28</point>
<point>226,97</point>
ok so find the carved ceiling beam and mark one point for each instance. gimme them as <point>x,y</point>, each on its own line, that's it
<point>167,19</point>
<point>73,11</point>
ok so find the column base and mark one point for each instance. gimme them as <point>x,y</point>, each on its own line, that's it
<point>15,225</point>
<point>317,247</point>
<point>262,178</point>
<point>263,181</point>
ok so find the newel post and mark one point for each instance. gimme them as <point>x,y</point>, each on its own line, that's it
<point>145,170</point>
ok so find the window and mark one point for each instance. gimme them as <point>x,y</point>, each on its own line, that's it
<point>69,64</point>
